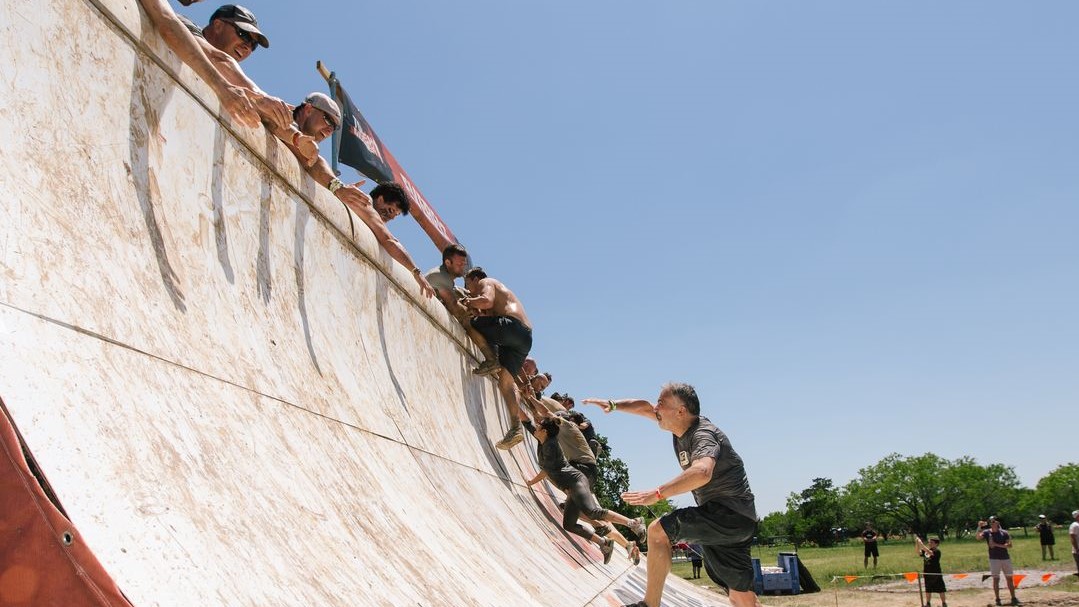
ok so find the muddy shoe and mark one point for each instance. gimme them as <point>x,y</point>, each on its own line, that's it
<point>488,367</point>
<point>634,553</point>
<point>637,527</point>
<point>607,548</point>
<point>513,436</point>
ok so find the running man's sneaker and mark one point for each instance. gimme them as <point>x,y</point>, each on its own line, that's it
<point>637,526</point>
<point>487,367</point>
<point>607,548</point>
<point>513,436</point>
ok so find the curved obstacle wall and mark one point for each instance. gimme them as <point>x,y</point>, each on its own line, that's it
<point>238,398</point>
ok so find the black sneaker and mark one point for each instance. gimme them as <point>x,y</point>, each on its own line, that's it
<point>607,548</point>
<point>1015,601</point>
<point>998,602</point>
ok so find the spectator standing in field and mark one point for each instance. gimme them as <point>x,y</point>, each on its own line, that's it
<point>724,520</point>
<point>696,559</point>
<point>934,578</point>
<point>869,539</point>
<point>999,540</point>
<point>1045,535</point>
<point>1073,535</point>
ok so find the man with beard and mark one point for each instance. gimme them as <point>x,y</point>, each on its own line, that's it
<point>454,265</point>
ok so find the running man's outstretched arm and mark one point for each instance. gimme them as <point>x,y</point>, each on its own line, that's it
<point>627,405</point>
<point>697,475</point>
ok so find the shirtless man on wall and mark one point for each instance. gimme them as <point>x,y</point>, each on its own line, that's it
<point>501,319</point>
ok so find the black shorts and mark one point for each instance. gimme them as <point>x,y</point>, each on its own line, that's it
<point>588,470</point>
<point>508,336</point>
<point>725,538</point>
<point>871,549</point>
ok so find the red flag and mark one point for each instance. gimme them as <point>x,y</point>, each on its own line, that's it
<point>1017,578</point>
<point>1046,577</point>
<point>361,149</point>
<point>850,578</point>
<point>960,576</point>
<point>911,577</point>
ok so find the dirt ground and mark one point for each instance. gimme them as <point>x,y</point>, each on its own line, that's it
<point>969,592</point>
<point>1034,597</point>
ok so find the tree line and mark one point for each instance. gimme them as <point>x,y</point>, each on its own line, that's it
<point>924,494</point>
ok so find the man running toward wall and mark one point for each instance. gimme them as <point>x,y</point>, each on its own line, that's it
<point>724,520</point>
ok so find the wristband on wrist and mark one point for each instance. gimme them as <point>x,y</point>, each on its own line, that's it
<point>613,406</point>
<point>334,185</point>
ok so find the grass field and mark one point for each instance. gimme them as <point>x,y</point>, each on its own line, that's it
<point>898,556</point>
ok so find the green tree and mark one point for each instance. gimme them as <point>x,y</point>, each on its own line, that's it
<point>775,525</point>
<point>903,494</point>
<point>929,494</point>
<point>613,479</point>
<point>982,491</point>
<point>815,512</point>
<point>1057,493</point>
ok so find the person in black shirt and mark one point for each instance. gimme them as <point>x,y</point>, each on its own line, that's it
<point>579,496</point>
<point>1045,534</point>
<point>869,538</point>
<point>934,578</point>
<point>724,520</point>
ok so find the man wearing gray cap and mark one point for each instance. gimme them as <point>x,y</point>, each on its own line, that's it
<point>313,121</point>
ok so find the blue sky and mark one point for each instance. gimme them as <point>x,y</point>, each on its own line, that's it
<point>853,226</point>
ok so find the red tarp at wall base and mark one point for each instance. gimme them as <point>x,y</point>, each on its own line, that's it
<point>43,559</point>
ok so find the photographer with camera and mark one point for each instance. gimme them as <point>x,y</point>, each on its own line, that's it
<point>999,541</point>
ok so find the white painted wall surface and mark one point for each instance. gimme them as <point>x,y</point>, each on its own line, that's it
<point>238,403</point>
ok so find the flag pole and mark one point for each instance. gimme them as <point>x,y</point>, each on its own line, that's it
<point>335,142</point>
